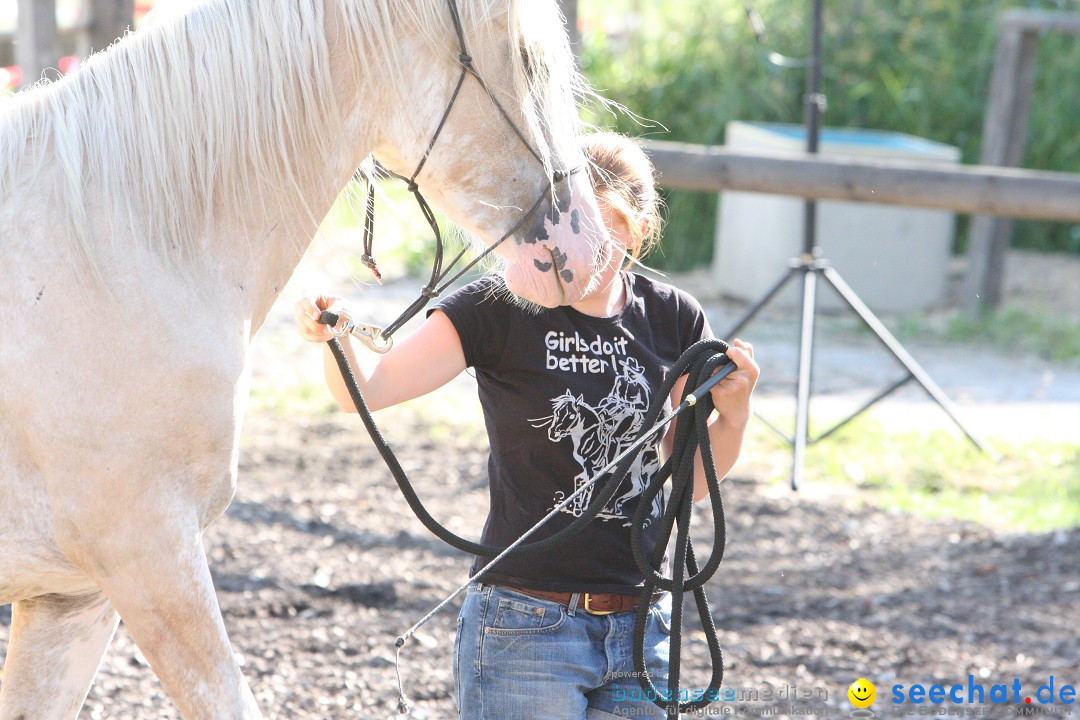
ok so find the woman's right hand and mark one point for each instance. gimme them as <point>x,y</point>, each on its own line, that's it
<point>307,311</point>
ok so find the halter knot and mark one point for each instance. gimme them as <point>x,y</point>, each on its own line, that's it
<point>429,292</point>
<point>413,187</point>
<point>465,59</point>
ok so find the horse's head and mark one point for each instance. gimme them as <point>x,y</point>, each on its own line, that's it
<point>568,412</point>
<point>501,154</point>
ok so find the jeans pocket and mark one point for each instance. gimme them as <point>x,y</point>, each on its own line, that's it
<point>520,617</point>
<point>660,614</point>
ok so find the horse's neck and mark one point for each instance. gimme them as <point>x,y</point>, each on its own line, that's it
<point>588,418</point>
<point>264,255</point>
<point>211,188</point>
<point>271,239</point>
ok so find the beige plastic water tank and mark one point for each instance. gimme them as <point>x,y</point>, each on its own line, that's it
<point>895,258</point>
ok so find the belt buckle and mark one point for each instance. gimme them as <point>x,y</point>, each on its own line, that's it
<point>588,600</point>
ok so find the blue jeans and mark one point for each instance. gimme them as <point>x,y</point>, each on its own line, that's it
<point>517,657</point>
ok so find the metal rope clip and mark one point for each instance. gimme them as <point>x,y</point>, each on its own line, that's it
<point>342,324</point>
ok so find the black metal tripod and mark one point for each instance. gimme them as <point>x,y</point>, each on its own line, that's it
<point>809,266</point>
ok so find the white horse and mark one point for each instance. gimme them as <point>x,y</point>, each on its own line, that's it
<point>152,206</point>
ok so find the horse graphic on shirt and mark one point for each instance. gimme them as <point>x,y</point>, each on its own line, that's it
<point>600,434</point>
<point>573,418</point>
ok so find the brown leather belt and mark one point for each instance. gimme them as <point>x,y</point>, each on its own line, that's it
<point>593,603</point>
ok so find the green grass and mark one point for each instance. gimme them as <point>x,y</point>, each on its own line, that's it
<point>446,416</point>
<point>937,474</point>
<point>1052,337</point>
<point>299,398</point>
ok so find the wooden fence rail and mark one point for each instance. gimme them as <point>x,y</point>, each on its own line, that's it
<point>976,189</point>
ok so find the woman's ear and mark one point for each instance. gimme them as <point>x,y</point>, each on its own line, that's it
<point>646,226</point>
<point>636,240</point>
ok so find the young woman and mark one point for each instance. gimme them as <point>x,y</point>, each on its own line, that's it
<point>548,636</point>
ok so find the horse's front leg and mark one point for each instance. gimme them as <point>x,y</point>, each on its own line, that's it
<point>164,593</point>
<point>581,501</point>
<point>56,645</point>
<point>140,541</point>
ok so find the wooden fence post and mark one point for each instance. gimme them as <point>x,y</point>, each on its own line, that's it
<point>1004,127</point>
<point>37,45</point>
<point>1011,83</point>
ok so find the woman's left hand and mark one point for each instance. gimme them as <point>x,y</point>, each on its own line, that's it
<point>731,396</point>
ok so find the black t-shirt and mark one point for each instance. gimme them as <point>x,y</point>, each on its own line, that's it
<point>563,393</point>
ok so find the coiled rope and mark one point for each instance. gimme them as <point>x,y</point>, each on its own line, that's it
<point>705,364</point>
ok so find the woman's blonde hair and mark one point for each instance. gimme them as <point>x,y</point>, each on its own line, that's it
<point>624,178</point>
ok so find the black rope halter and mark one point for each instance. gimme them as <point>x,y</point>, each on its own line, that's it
<point>381,339</point>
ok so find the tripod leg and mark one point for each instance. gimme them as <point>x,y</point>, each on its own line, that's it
<point>802,391</point>
<point>754,309</point>
<point>898,351</point>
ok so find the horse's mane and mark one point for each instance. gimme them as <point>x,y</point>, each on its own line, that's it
<point>170,124</point>
<point>565,400</point>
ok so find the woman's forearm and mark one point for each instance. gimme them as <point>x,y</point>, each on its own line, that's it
<point>418,364</point>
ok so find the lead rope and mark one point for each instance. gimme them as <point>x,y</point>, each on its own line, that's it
<point>705,364</point>
<point>689,438</point>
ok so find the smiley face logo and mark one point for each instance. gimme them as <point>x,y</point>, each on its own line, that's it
<point>862,693</point>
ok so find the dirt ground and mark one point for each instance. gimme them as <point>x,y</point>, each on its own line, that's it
<point>319,565</point>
